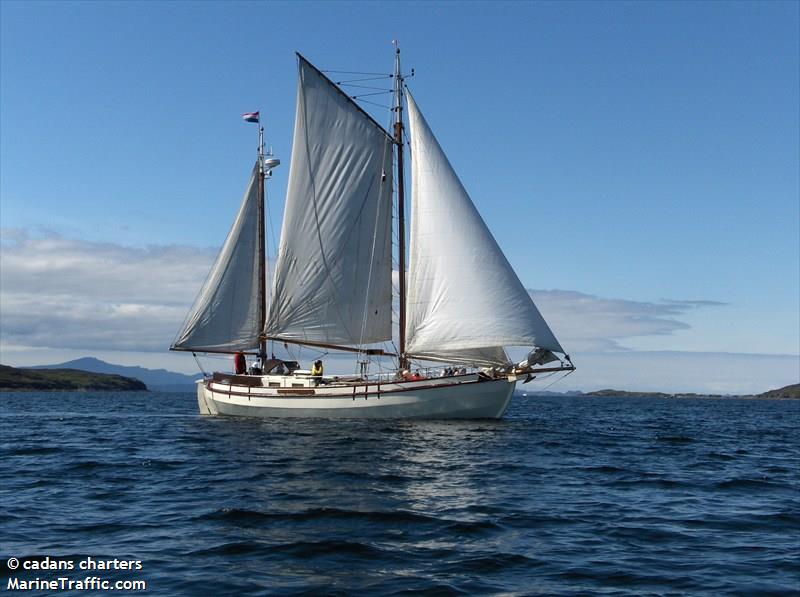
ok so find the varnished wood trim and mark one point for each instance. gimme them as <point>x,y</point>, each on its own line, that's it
<point>289,392</point>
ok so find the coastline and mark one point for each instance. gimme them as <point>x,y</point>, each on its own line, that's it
<point>14,379</point>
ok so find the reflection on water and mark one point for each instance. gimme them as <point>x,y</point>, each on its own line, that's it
<point>361,465</point>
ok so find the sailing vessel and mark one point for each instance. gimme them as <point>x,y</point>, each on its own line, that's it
<point>459,303</point>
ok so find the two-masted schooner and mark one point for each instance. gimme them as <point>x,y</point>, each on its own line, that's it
<point>460,305</point>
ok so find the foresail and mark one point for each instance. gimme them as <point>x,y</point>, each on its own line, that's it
<point>463,294</point>
<point>333,273</point>
<point>226,314</point>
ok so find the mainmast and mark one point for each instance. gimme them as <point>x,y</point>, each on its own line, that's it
<point>401,206</point>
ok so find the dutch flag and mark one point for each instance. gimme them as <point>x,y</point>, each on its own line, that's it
<point>250,116</point>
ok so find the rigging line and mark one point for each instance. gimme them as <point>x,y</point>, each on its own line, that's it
<point>365,87</point>
<point>344,81</point>
<point>199,364</point>
<point>375,104</point>
<point>356,72</point>
<point>347,81</point>
<point>270,283</point>
<point>360,95</point>
<point>265,214</point>
<point>557,380</point>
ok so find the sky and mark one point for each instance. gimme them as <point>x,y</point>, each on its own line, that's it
<point>637,162</point>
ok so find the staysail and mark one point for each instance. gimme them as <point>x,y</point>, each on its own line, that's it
<point>332,279</point>
<point>465,303</point>
<point>226,315</point>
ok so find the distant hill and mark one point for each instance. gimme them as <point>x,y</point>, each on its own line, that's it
<point>627,394</point>
<point>792,391</point>
<point>159,380</point>
<point>13,379</point>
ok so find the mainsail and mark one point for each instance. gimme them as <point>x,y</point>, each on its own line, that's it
<point>226,315</point>
<point>332,279</point>
<point>465,303</point>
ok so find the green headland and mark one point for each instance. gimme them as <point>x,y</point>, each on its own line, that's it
<point>42,380</point>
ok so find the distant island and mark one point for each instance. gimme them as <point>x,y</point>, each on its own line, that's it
<point>13,379</point>
<point>786,392</point>
<point>157,380</point>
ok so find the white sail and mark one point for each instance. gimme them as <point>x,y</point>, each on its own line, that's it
<point>226,315</point>
<point>464,300</point>
<point>473,357</point>
<point>333,273</point>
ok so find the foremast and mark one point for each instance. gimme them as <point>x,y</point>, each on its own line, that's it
<point>262,246</point>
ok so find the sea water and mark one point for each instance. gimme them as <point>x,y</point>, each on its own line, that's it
<point>565,495</point>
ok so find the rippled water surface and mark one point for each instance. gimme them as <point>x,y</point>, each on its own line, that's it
<point>563,496</point>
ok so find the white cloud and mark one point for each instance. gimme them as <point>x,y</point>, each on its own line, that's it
<point>584,322</point>
<point>62,298</point>
<point>66,293</point>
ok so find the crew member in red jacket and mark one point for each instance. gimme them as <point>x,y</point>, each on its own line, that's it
<point>239,363</point>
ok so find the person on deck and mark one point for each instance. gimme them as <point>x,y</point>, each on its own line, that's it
<point>239,363</point>
<point>316,371</point>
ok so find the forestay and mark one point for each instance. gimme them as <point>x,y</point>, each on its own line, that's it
<point>333,273</point>
<point>226,315</point>
<point>464,300</point>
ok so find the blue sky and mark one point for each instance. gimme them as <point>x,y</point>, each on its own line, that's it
<point>642,155</point>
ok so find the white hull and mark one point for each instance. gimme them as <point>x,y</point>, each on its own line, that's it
<point>465,397</point>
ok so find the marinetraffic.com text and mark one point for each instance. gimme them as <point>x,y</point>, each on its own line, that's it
<point>46,573</point>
